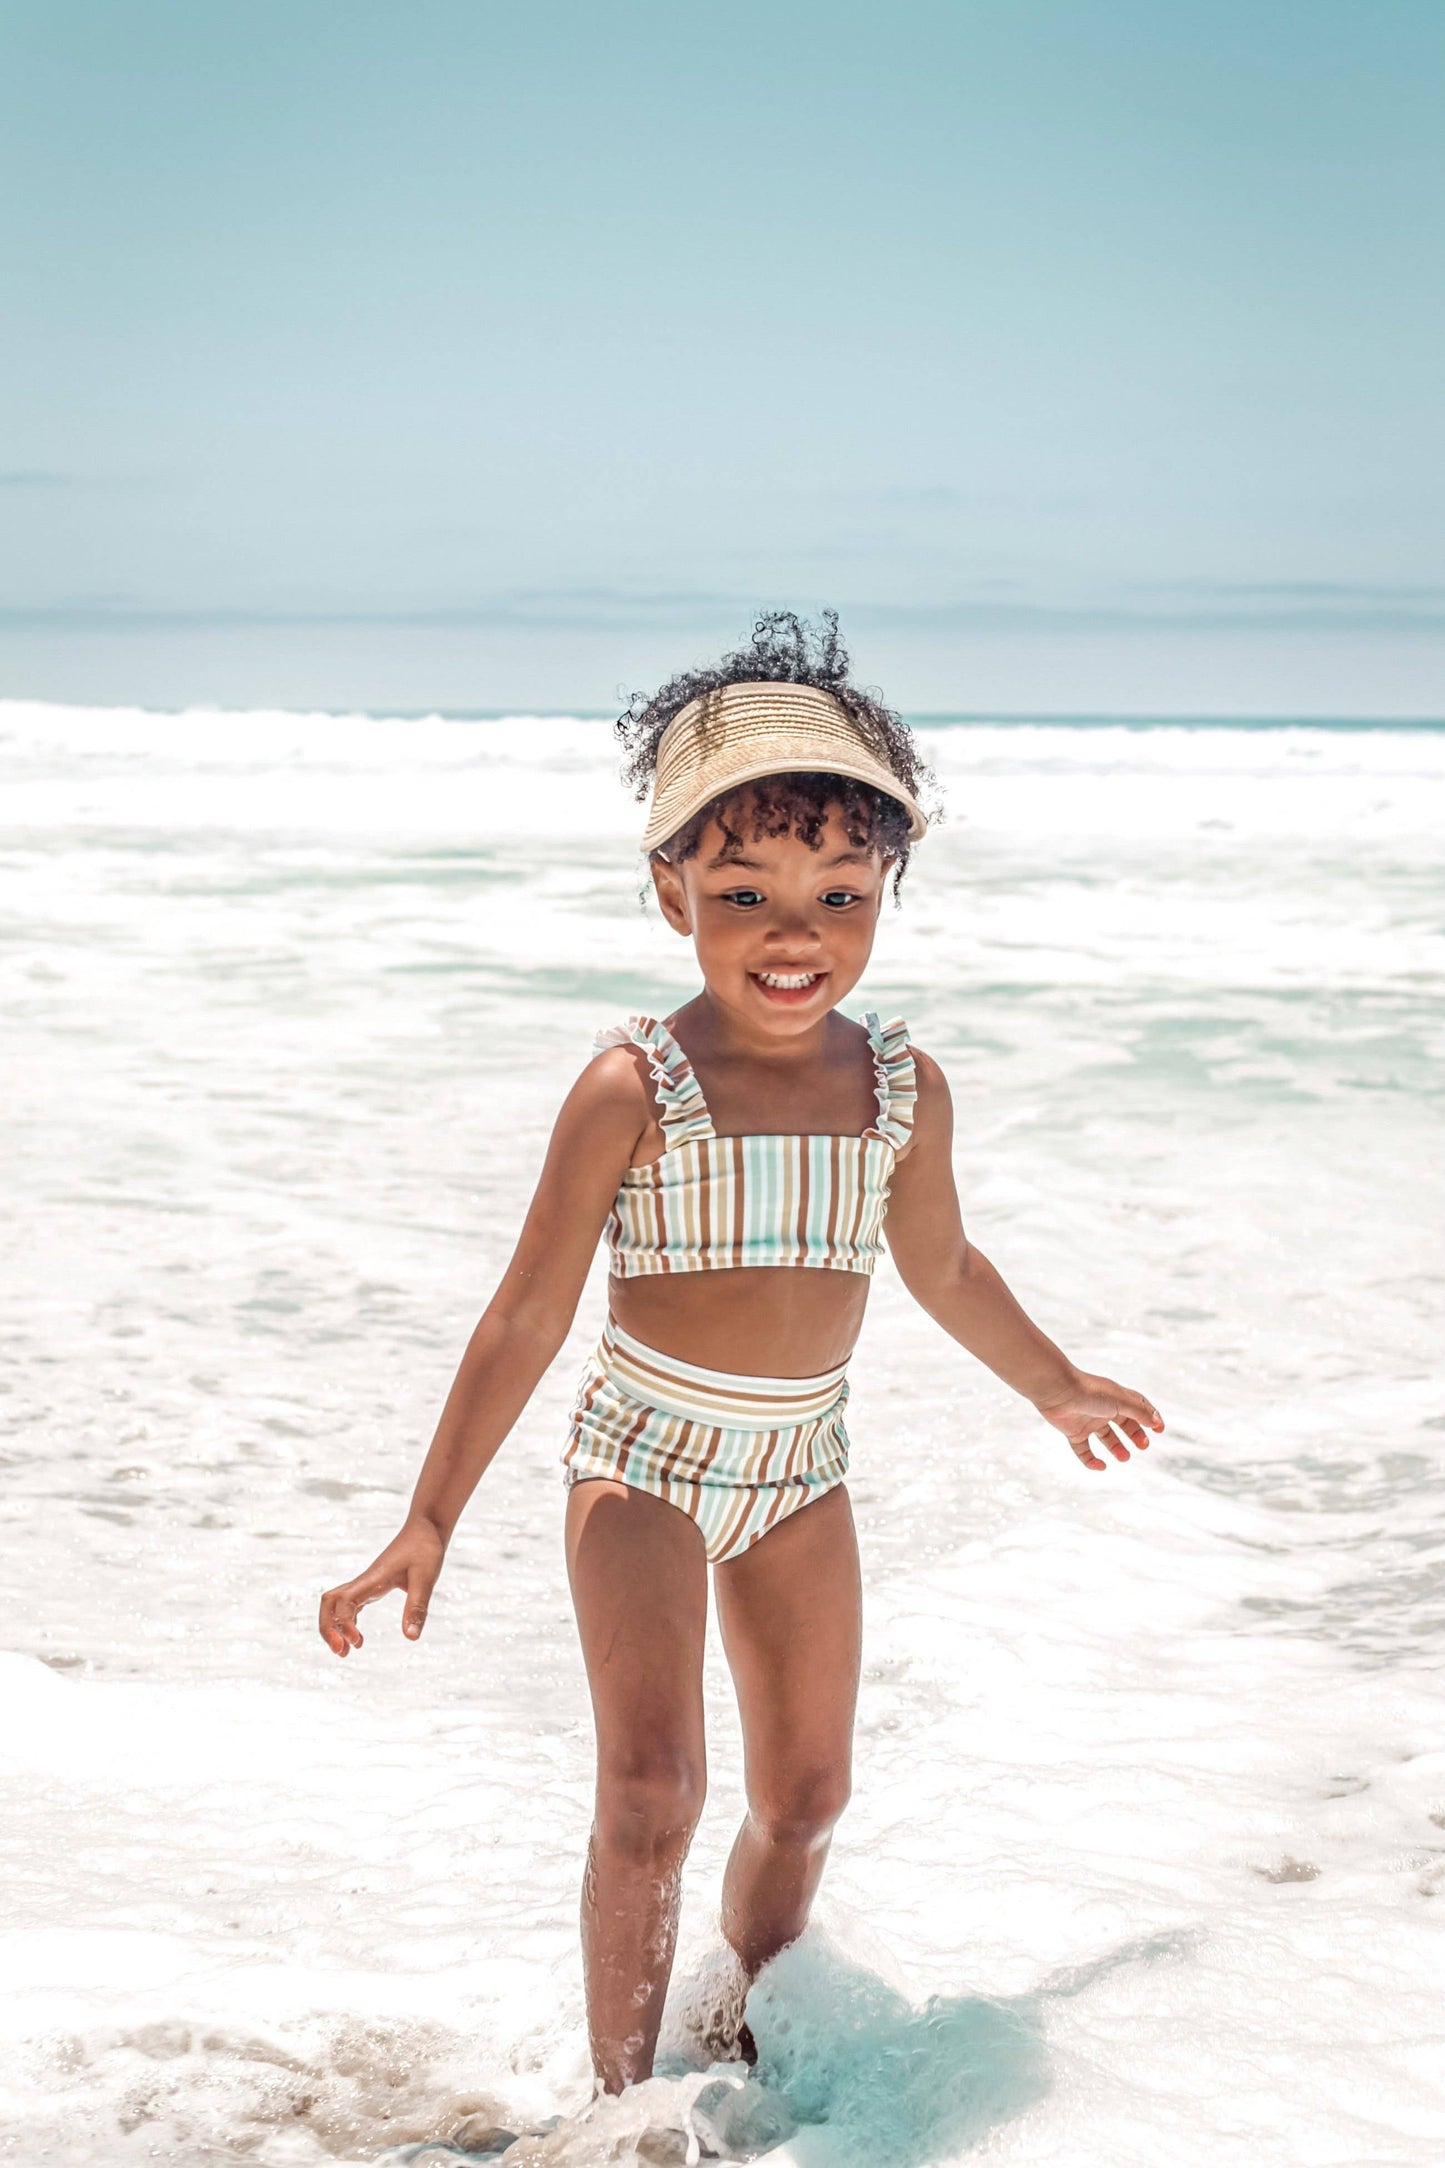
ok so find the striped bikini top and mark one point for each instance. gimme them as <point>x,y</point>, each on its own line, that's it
<point>713,1202</point>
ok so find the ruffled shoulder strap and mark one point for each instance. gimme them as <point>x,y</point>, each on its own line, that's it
<point>897,1079</point>
<point>682,1110</point>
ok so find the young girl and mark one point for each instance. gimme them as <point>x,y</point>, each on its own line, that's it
<point>747,1157</point>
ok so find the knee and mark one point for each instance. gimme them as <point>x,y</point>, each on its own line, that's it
<point>648,1805</point>
<point>803,1811</point>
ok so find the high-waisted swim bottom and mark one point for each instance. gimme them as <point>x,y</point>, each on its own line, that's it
<point>738,1454</point>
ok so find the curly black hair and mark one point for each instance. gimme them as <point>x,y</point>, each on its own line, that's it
<point>784,649</point>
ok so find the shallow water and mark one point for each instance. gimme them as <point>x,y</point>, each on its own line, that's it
<point>1147,1856</point>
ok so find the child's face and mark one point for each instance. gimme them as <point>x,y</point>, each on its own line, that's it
<point>782,932</point>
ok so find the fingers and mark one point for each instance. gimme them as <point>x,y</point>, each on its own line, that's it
<point>1134,1415</point>
<point>1135,1406</point>
<point>337,1622</point>
<point>339,1606</point>
<point>1109,1439</point>
<point>1086,1452</point>
<point>1115,1409</point>
<point>419,1584</point>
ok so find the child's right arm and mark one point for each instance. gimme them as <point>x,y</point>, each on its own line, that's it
<point>522,1329</point>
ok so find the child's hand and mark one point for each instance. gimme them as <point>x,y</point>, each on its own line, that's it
<point>1092,1409</point>
<point>411,1561</point>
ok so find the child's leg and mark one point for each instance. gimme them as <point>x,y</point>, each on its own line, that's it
<point>791,1615</point>
<point>639,1584</point>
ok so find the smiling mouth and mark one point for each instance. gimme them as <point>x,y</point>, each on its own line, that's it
<point>787,985</point>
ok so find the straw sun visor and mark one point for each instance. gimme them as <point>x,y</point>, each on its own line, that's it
<point>740,733</point>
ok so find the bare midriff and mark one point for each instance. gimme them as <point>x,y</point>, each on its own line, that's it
<point>777,1321</point>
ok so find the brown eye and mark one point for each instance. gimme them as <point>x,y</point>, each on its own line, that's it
<point>745,898</point>
<point>838,899</point>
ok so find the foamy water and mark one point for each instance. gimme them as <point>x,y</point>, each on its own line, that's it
<point>1146,1862</point>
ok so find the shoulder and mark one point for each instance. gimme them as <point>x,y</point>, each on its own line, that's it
<point>933,1107</point>
<point>616,1072</point>
<point>612,1094</point>
<point>931,1079</point>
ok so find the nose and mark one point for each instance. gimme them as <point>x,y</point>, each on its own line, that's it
<point>790,927</point>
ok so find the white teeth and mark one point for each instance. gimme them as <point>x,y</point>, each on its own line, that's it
<point>791,979</point>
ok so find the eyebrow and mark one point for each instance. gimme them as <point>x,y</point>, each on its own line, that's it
<point>756,865</point>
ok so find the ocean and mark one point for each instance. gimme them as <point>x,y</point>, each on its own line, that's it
<point>1146,1860</point>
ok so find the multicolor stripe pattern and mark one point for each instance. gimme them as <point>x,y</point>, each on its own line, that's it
<point>714,1202</point>
<point>737,1454</point>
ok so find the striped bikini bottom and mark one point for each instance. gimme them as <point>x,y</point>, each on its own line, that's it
<point>738,1454</point>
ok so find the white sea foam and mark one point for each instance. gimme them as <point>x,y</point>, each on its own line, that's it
<point>1147,1858</point>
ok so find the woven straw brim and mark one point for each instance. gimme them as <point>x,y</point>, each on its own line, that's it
<point>740,733</point>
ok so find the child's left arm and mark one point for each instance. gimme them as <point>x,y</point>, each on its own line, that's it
<point>956,1284</point>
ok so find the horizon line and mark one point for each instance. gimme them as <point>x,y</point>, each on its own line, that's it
<point>1401,612</point>
<point>922,718</point>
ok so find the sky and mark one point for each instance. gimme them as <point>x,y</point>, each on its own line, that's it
<point>1086,356</point>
